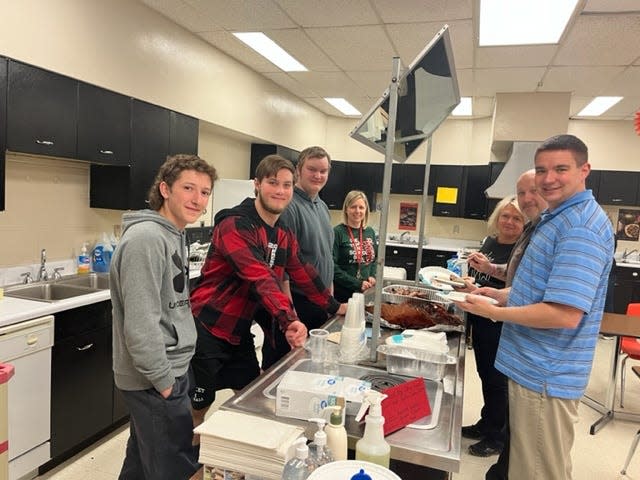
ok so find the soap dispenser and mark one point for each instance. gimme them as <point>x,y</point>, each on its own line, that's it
<point>372,447</point>
<point>319,453</point>
<point>299,467</point>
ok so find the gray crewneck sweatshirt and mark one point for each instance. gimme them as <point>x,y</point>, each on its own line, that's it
<point>154,333</point>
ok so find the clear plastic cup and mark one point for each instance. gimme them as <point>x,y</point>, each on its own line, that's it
<point>318,344</point>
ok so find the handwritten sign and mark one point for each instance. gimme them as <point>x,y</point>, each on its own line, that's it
<point>405,404</point>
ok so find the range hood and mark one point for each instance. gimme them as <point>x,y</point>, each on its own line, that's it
<point>520,122</point>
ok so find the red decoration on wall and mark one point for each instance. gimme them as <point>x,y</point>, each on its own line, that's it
<point>637,122</point>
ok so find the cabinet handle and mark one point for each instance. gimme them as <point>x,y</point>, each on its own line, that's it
<point>32,340</point>
<point>86,347</point>
<point>48,143</point>
<point>635,274</point>
<point>106,152</point>
<point>445,212</point>
<point>616,200</point>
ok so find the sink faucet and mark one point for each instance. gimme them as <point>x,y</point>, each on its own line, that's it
<point>626,254</point>
<point>42,271</point>
<point>403,235</point>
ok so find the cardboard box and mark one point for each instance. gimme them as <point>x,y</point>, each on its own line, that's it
<point>304,395</point>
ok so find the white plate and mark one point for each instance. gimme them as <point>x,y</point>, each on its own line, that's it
<point>462,297</point>
<point>428,276</point>
<point>453,283</point>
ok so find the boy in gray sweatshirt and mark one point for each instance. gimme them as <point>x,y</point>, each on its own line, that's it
<point>154,334</point>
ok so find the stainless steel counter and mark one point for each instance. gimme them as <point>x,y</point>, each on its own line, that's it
<point>436,449</point>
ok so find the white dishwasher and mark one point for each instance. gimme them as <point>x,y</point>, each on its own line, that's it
<point>27,346</point>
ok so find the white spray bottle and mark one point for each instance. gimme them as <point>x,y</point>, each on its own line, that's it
<point>372,447</point>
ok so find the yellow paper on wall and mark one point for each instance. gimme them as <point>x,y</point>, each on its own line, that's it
<point>447,195</point>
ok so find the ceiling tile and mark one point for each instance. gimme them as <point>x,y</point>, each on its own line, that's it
<point>288,83</point>
<point>329,84</point>
<point>409,11</point>
<point>489,81</point>
<point>373,83</point>
<point>410,40</point>
<point>586,81</point>
<point>626,84</point>
<point>601,40</point>
<point>355,48</point>
<point>183,14</point>
<point>611,6</point>
<point>516,56</point>
<point>241,16</point>
<point>303,49</point>
<point>329,13</point>
<point>233,47</point>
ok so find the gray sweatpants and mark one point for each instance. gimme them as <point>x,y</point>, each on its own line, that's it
<point>160,433</point>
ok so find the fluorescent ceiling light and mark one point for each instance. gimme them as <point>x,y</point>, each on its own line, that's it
<point>270,50</point>
<point>463,108</point>
<point>598,106</point>
<point>342,105</point>
<point>523,22</point>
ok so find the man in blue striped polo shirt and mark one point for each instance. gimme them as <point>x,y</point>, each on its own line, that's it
<point>552,314</point>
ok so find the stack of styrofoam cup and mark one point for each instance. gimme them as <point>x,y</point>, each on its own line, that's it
<point>352,338</point>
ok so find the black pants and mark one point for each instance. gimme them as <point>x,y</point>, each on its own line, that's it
<point>309,313</point>
<point>486,336</point>
<point>159,445</point>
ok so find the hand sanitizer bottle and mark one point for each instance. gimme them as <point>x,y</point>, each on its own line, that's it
<point>299,467</point>
<point>319,453</point>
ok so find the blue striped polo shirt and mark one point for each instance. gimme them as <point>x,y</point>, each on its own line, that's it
<point>567,262</point>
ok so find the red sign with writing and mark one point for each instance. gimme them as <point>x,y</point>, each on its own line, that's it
<point>405,404</point>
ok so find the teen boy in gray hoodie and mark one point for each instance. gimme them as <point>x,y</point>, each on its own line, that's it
<point>154,334</point>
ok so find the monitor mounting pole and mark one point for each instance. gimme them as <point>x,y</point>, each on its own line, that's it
<point>384,214</point>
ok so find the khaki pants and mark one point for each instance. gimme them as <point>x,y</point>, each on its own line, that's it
<point>542,434</point>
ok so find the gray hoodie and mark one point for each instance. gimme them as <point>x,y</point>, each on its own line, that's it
<point>154,334</point>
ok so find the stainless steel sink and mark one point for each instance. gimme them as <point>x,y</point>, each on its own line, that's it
<point>47,292</point>
<point>98,281</point>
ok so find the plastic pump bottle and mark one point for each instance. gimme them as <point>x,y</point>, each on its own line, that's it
<point>299,467</point>
<point>372,447</point>
<point>319,452</point>
<point>84,260</point>
<point>337,434</point>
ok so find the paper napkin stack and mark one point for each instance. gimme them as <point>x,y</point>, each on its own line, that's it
<point>245,443</point>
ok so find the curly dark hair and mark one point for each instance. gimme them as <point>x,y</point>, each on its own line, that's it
<point>171,170</point>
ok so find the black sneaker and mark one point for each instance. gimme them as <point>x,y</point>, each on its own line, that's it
<point>473,432</point>
<point>485,448</point>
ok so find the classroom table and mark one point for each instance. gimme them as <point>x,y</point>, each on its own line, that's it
<point>618,325</point>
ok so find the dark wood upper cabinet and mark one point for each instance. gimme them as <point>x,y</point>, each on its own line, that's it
<point>43,111</point>
<point>261,150</point>
<point>150,127</point>
<point>336,187</point>
<point>448,176</point>
<point>475,200</point>
<point>3,126</point>
<point>407,178</point>
<point>367,177</point>
<point>183,134</point>
<point>618,188</point>
<point>104,126</point>
<point>593,183</point>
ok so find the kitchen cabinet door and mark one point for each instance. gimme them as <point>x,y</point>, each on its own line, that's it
<point>150,126</point>
<point>618,188</point>
<point>495,168</point>
<point>437,258</point>
<point>402,257</point>
<point>337,186</point>
<point>366,176</point>
<point>109,187</point>
<point>81,377</point>
<point>626,288</point>
<point>449,176</point>
<point>407,179</point>
<point>475,200</point>
<point>183,134</point>
<point>104,126</point>
<point>3,124</point>
<point>593,183</point>
<point>42,111</point>
<point>261,150</point>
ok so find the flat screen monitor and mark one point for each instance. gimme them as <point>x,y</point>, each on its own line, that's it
<point>427,93</point>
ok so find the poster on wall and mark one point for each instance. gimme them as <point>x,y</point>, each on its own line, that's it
<point>628,227</point>
<point>408,216</point>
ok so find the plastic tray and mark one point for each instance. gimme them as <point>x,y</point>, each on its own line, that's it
<point>414,362</point>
